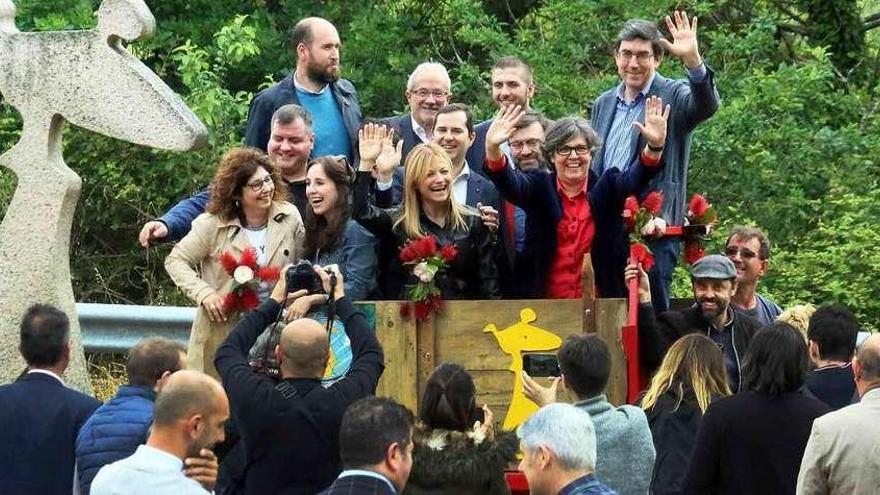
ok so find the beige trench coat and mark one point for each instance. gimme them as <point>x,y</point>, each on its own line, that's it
<point>194,266</point>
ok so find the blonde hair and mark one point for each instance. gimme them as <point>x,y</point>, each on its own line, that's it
<point>694,362</point>
<point>798,316</point>
<point>419,163</point>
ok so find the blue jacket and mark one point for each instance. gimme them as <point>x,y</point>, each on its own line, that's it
<point>39,421</point>
<point>356,255</point>
<point>535,192</point>
<point>270,99</point>
<point>113,432</point>
<point>692,102</point>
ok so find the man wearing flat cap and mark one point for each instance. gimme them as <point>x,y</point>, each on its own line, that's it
<point>714,281</point>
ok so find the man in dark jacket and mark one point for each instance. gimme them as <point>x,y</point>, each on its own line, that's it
<point>832,335</point>
<point>714,282</point>
<point>118,427</point>
<point>39,416</point>
<point>290,428</point>
<point>316,86</point>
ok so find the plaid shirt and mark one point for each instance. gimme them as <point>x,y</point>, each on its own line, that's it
<point>586,485</point>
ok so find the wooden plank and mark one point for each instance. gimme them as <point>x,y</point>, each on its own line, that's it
<point>588,299</point>
<point>397,336</point>
<point>611,316</point>
<point>426,348</point>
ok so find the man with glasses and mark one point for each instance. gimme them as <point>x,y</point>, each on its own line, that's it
<point>638,52</point>
<point>749,250</point>
<point>427,91</point>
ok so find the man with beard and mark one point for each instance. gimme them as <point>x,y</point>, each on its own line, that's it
<point>427,90</point>
<point>316,86</point>
<point>188,416</point>
<point>290,145</point>
<point>714,283</point>
<point>512,84</point>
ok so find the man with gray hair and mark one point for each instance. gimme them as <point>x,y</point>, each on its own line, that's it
<point>428,89</point>
<point>638,52</point>
<point>840,457</point>
<point>749,250</point>
<point>559,452</point>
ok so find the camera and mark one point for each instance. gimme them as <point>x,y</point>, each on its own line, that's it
<point>302,276</point>
<point>541,365</point>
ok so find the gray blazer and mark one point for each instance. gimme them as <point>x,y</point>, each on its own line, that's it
<point>843,453</point>
<point>692,103</point>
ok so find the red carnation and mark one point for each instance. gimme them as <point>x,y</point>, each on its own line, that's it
<point>436,303</point>
<point>693,251</point>
<point>448,253</point>
<point>249,299</point>
<point>631,206</point>
<point>639,253</point>
<point>230,302</point>
<point>407,253</point>
<point>422,310</point>
<point>426,246</point>
<point>249,258</point>
<point>698,206</point>
<point>269,273</point>
<point>653,202</point>
<point>404,310</point>
<point>228,261</point>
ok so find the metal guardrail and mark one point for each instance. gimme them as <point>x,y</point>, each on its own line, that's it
<point>115,328</point>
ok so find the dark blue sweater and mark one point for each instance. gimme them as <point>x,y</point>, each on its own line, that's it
<point>114,431</point>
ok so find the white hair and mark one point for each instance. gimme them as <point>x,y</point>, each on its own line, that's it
<point>564,429</point>
<point>424,67</point>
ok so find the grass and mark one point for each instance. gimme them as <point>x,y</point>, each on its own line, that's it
<point>107,373</point>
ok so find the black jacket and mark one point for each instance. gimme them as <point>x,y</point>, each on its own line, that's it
<point>751,443</point>
<point>658,332</point>
<point>359,485</point>
<point>674,424</point>
<point>290,429</point>
<point>473,273</point>
<point>461,466</point>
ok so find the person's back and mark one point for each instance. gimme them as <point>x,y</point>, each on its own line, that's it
<point>625,450</point>
<point>39,416</point>
<point>832,334</point>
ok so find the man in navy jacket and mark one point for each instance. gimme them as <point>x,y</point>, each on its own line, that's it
<point>427,91</point>
<point>39,416</point>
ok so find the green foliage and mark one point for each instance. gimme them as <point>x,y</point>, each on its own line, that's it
<point>793,148</point>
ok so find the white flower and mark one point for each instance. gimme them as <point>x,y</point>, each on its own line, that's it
<point>424,273</point>
<point>477,433</point>
<point>437,441</point>
<point>243,274</point>
<point>654,227</point>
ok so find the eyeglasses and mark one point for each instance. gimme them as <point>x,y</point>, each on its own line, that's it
<point>259,184</point>
<point>529,143</point>
<point>424,94</point>
<point>640,56</point>
<point>744,253</point>
<point>580,150</point>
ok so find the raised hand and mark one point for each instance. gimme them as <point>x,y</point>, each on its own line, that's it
<point>684,39</point>
<point>370,139</point>
<point>389,158</point>
<point>656,117</point>
<point>501,129</point>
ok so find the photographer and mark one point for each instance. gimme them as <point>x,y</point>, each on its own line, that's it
<point>290,428</point>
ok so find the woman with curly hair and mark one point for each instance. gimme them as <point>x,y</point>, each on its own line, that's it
<point>428,208</point>
<point>247,216</point>
<point>691,376</point>
<point>456,449</point>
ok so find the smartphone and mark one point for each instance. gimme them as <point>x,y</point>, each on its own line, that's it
<point>541,365</point>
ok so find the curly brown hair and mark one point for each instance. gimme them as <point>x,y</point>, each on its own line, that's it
<point>237,166</point>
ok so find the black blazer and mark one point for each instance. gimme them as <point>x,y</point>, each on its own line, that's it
<point>39,421</point>
<point>359,485</point>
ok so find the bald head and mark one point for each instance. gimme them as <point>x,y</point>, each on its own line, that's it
<point>868,357</point>
<point>186,394</point>
<point>304,349</point>
<point>304,31</point>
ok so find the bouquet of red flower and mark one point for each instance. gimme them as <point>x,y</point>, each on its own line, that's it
<point>426,260</point>
<point>642,222</point>
<point>700,212</point>
<point>246,277</point>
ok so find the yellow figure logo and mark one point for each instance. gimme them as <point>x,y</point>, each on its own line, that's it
<point>514,340</point>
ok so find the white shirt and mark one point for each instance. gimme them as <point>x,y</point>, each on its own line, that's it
<point>459,184</point>
<point>47,372</point>
<point>146,472</point>
<point>302,88</point>
<point>257,239</point>
<point>419,130</point>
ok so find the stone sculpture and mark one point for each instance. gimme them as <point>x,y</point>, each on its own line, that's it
<point>89,79</point>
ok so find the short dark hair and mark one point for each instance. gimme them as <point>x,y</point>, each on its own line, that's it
<point>45,331</point>
<point>585,363</point>
<point>514,62</point>
<point>640,29</point>
<point>532,117</point>
<point>449,401</point>
<point>290,113</point>
<point>834,329</point>
<point>566,129</point>
<point>745,233</point>
<point>776,361</point>
<point>369,427</point>
<point>459,107</point>
<point>150,358</point>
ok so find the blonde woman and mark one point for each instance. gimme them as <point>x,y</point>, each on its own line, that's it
<point>691,375</point>
<point>428,208</point>
<point>247,211</point>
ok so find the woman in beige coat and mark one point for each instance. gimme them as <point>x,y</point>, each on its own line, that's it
<point>247,210</point>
